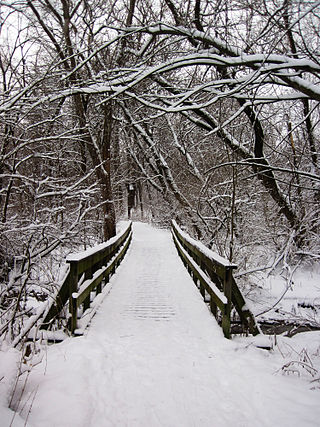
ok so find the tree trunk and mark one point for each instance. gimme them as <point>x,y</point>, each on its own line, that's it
<point>109,224</point>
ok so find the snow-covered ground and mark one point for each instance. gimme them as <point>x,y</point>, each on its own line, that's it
<point>296,300</point>
<point>154,356</point>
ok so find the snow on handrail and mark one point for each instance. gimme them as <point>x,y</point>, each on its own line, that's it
<point>98,265</point>
<point>80,256</point>
<point>203,249</point>
<point>213,274</point>
<point>85,272</point>
<point>202,275</point>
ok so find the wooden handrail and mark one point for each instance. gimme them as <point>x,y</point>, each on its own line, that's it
<point>82,296</point>
<point>87,270</point>
<point>214,274</point>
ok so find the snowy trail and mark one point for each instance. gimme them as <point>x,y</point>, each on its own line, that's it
<point>154,356</point>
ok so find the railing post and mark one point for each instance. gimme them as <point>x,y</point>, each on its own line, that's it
<point>99,289</point>
<point>86,303</point>
<point>227,289</point>
<point>202,266</point>
<point>73,287</point>
<point>213,307</point>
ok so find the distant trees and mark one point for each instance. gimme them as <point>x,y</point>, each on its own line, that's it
<point>235,88</point>
<point>246,59</point>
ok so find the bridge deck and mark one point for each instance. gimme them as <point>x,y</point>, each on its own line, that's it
<point>154,356</point>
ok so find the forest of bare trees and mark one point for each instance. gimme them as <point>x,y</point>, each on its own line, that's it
<point>207,111</point>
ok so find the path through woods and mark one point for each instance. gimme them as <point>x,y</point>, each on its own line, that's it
<point>154,356</point>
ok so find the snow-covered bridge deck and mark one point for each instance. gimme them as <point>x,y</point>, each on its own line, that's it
<point>154,356</point>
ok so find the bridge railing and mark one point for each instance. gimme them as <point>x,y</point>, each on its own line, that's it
<point>86,273</point>
<point>213,275</point>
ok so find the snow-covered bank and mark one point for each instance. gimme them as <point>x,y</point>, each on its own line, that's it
<point>154,356</point>
<point>294,299</point>
<point>10,360</point>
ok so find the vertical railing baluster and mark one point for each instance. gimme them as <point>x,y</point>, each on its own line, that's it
<point>73,287</point>
<point>213,307</point>
<point>227,289</point>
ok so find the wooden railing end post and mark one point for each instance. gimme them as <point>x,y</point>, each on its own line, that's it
<point>73,287</point>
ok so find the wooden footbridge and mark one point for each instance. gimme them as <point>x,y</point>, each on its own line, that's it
<point>89,272</point>
<point>153,354</point>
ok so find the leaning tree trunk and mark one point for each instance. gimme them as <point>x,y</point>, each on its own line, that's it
<point>109,221</point>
